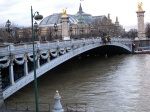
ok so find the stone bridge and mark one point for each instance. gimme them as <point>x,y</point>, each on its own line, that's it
<point>16,61</point>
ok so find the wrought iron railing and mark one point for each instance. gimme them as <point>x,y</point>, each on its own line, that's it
<point>76,107</point>
<point>27,106</point>
<point>43,107</point>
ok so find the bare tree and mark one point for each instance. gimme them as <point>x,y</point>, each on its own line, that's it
<point>26,34</point>
<point>147,30</point>
<point>4,36</point>
<point>132,33</point>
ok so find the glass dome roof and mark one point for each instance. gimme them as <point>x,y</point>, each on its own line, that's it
<point>56,18</point>
<point>87,18</point>
<point>73,19</point>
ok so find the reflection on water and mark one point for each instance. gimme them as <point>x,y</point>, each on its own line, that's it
<point>115,84</point>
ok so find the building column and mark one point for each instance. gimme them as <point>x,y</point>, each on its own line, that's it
<point>57,53</point>
<point>1,93</point>
<point>141,29</point>
<point>48,59</point>
<point>11,73</point>
<point>26,66</point>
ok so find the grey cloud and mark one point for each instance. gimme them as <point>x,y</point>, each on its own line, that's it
<point>65,5</point>
<point>5,6</point>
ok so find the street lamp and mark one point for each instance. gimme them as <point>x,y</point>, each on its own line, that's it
<point>82,31</point>
<point>36,29</point>
<point>89,32</point>
<point>8,27</point>
<point>99,31</point>
<point>36,17</point>
<point>91,28</point>
<point>70,30</point>
<point>55,29</point>
<point>117,33</point>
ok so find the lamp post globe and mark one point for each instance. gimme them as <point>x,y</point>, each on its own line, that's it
<point>38,16</point>
<point>36,29</point>
<point>70,27</point>
<point>55,29</point>
<point>8,27</point>
<point>91,28</point>
<point>82,31</point>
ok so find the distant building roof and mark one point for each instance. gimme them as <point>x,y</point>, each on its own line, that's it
<point>73,19</point>
<point>56,18</point>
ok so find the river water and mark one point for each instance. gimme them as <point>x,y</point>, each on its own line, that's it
<point>114,84</point>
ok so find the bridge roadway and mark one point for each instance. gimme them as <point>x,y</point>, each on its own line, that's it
<point>54,53</point>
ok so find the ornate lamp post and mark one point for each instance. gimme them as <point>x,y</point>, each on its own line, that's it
<point>36,17</point>
<point>36,29</point>
<point>89,32</point>
<point>91,28</point>
<point>99,31</point>
<point>82,30</point>
<point>117,33</point>
<point>70,30</point>
<point>55,29</point>
<point>8,27</point>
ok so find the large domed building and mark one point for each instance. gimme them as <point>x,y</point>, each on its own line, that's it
<point>80,24</point>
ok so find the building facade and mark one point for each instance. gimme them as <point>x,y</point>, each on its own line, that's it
<point>81,25</point>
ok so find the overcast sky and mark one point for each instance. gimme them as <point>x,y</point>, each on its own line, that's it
<point>19,11</point>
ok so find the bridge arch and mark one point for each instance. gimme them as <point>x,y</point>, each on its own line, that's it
<point>66,52</point>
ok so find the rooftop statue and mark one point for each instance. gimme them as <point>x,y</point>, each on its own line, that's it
<point>64,13</point>
<point>140,6</point>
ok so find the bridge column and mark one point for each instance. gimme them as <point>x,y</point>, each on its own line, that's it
<point>1,95</point>
<point>11,73</point>
<point>48,59</point>
<point>65,27</point>
<point>26,66</point>
<point>57,53</point>
<point>38,62</point>
<point>141,29</point>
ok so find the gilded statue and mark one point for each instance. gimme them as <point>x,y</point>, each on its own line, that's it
<point>64,13</point>
<point>140,6</point>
